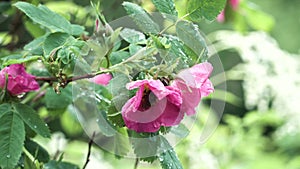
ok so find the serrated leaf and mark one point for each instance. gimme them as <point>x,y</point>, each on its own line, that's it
<point>168,158</point>
<point>37,151</point>
<point>121,143</point>
<point>145,146</point>
<point>132,36</point>
<point>165,6</point>
<point>49,19</point>
<point>54,41</point>
<point>36,46</point>
<point>208,9</point>
<point>4,108</point>
<point>32,119</point>
<point>12,134</point>
<point>191,37</point>
<point>118,57</point>
<point>60,165</point>
<point>141,17</point>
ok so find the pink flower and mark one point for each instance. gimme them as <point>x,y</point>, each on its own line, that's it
<point>194,84</point>
<point>18,80</point>
<point>102,79</point>
<point>234,4</point>
<point>153,106</point>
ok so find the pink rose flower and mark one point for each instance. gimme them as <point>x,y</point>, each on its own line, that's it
<point>153,106</point>
<point>194,84</point>
<point>102,79</point>
<point>18,80</point>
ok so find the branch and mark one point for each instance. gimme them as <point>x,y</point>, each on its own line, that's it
<point>89,151</point>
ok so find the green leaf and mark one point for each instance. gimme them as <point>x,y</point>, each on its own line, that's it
<point>145,146</point>
<point>12,134</point>
<point>165,6</point>
<point>32,119</point>
<point>180,130</point>
<point>76,29</point>
<point>58,101</point>
<point>36,46</point>
<point>121,143</point>
<point>132,36</point>
<point>191,37</point>
<point>53,42</point>
<point>37,151</point>
<point>20,60</point>
<point>60,165</point>
<point>49,19</point>
<point>133,49</point>
<point>4,108</point>
<point>168,158</point>
<point>208,9</point>
<point>141,17</point>
<point>104,125</point>
<point>118,57</point>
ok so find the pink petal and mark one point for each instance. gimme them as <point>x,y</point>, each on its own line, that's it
<point>221,17</point>
<point>102,79</point>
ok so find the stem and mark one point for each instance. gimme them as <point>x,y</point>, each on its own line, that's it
<point>33,95</point>
<point>89,151</point>
<point>137,160</point>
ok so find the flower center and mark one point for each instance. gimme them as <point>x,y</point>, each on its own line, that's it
<point>145,103</point>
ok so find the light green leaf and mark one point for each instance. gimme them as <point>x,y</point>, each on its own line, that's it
<point>20,60</point>
<point>32,119</point>
<point>132,36</point>
<point>12,134</point>
<point>77,30</point>
<point>191,37</point>
<point>208,9</point>
<point>133,49</point>
<point>165,6</point>
<point>168,158</point>
<point>180,130</point>
<point>53,42</point>
<point>122,145</point>
<point>141,17</point>
<point>60,165</point>
<point>37,151</point>
<point>45,17</point>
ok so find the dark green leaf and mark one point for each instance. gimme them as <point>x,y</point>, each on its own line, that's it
<point>12,134</point>
<point>36,46</point>
<point>53,42</point>
<point>60,165</point>
<point>191,37</point>
<point>32,119</point>
<point>58,101</point>
<point>115,116</point>
<point>118,57</point>
<point>208,9</point>
<point>165,6</point>
<point>37,151</point>
<point>168,158</point>
<point>132,36</point>
<point>4,108</point>
<point>141,17</point>
<point>45,17</point>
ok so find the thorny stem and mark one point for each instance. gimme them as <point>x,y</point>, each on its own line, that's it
<point>89,151</point>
